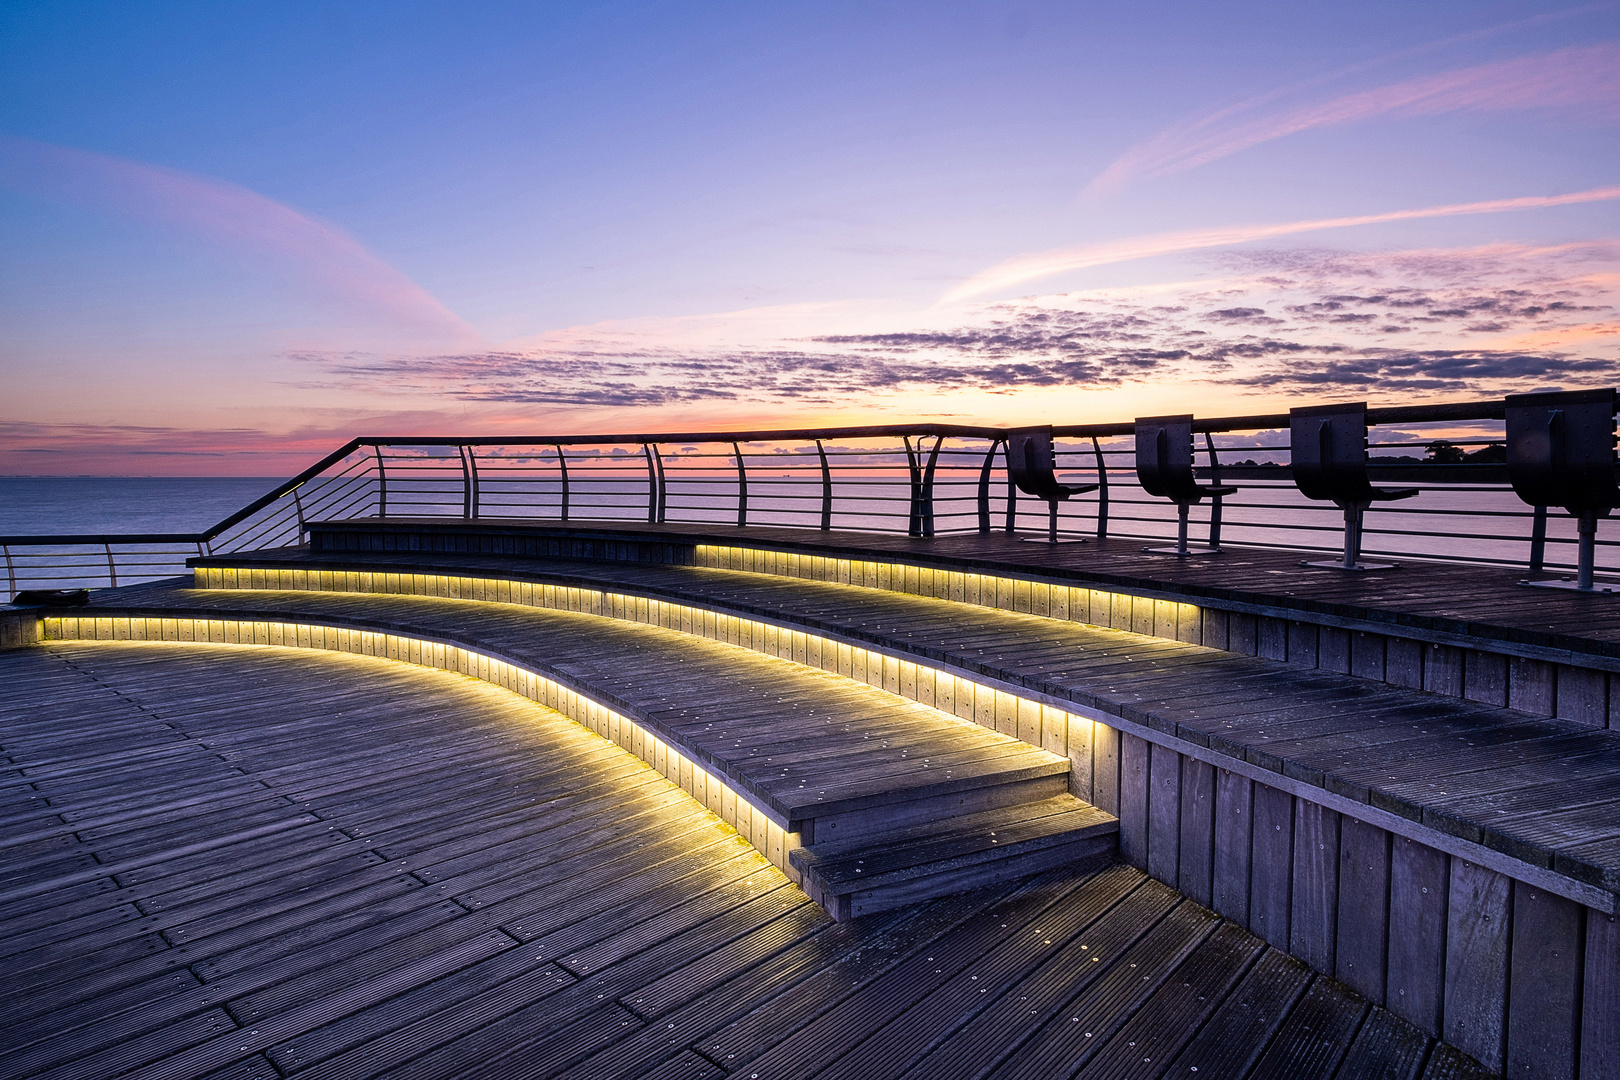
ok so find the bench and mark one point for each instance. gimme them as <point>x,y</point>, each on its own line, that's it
<point>1560,452</point>
<point>1031,465</point>
<point>1164,468</point>
<point>1327,451</point>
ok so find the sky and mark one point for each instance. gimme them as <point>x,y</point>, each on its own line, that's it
<point>233,236</point>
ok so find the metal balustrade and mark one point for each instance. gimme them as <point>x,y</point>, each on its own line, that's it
<point>922,480</point>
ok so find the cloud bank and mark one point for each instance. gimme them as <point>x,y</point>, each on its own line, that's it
<point>1279,323</point>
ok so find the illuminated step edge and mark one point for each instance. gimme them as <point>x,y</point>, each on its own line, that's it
<point>1092,744</point>
<point>1169,619</point>
<point>752,822</point>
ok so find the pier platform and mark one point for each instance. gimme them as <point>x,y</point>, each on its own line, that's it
<point>260,861</point>
<point>1402,787</point>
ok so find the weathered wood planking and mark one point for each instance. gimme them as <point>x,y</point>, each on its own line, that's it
<point>548,905</point>
<point>1371,742</point>
<point>1465,599</point>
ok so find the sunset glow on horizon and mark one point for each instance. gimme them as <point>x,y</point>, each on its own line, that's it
<point>237,238</point>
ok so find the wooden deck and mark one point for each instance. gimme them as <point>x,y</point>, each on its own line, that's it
<point>1484,603</point>
<point>241,862</point>
<point>1486,776</point>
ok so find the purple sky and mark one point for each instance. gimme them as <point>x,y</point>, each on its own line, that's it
<point>234,237</point>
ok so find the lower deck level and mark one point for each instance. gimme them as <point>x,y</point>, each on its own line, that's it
<point>253,861</point>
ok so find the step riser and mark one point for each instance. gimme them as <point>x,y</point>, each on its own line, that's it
<point>888,818</point>
<point>1083,856</point>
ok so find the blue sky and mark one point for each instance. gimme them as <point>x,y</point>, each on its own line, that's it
<point>234,235</point>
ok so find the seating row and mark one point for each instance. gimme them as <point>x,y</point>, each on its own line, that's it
<point>1560,452</point>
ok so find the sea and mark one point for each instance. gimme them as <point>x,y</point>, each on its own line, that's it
<point>58,505</point>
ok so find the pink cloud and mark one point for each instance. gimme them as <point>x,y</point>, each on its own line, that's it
<point>1582,77</point>
<point>234,217</point>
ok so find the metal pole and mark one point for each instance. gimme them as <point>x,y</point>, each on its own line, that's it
<point>562,463</point>
<point>927,504</point>
<point>1588,550</point>
<point>1352,533</point>
<point>1102,490</point>
<point>652,484</point>
<point>663,483</point>
<point>1012,490</point>
<point>112,569</point>
<point>742,487</point>
<point>984,487</point>
<point>1214,500</point>
<point>914,516</point>
<point>382,483</point>
<point>826,488</point>
<point>1538,540</point>
<point>469,483</point>
<point>11,569</point>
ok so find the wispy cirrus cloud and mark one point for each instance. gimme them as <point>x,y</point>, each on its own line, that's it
<point>1032,267</point>
<point>332,261</point>
<point>1585,77</point>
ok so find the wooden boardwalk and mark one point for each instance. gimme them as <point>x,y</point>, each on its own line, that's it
<point>1481,602</point>
<point>241,862</point>
<point>1482,774</point>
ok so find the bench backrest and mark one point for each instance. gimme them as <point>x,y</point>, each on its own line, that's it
<point>1031,464</point>
<point>1327,449</point>
<point>1164,457</point>
<point>1560,449</point>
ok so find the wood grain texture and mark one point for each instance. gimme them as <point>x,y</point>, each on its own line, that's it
<point>1544,988</point>
<point>1361,959</point>
<point>1419,878</point>
<point>1270,897</point>
<point>1234,840</point>
<point>469,881</point>
<point>1477,937</point>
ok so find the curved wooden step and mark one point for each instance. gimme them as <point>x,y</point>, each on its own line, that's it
<point>861,877</point>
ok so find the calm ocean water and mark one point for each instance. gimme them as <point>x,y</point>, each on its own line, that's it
<point>34,505</point>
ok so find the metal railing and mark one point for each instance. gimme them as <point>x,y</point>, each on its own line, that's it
<point>921,480</point>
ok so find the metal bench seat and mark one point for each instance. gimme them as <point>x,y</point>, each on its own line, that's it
<point>1031,465</point>
<point>1164,468</point>
<point>1561,452</point>
<point>1327,450</point>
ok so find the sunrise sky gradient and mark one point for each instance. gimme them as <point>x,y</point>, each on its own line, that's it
<point>234,236</point>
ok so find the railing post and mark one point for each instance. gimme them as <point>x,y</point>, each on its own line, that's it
<point>653,499</point>
<point>1538,539</point>
<point>469,483</point>
<point>112,568</point>
<point>826,488</point>
<point>1102,490</point>
<point>298,508</point>
<point>927,504</point>
<point>382,483</point>
<point>562,463</point>
<point>11,571</point>
<point>1012,489</point>
<point>984,487</point>
<point>914,518</point>
<point>1214,500</point>
<point>742,487</point>
<point>663,485</point>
